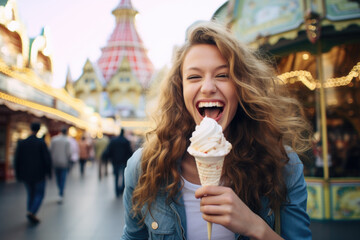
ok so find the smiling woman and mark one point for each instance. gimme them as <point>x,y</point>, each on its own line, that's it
<point>213,75</point>
<point>207,88</point>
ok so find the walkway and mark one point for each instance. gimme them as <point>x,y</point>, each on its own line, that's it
<point>92,212</point>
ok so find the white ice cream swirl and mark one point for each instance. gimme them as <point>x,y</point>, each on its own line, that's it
<point>208,140</point>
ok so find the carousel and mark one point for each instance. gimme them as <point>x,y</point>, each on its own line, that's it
<point>315,46</point>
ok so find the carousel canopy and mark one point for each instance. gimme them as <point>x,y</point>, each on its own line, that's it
<point>3,2</point>
<point>294,32</point>
<point>283,26</point>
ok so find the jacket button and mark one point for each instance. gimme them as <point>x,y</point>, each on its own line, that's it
<point>154,225</point>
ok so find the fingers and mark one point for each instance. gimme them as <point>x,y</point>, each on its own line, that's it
<point>222,206</point>
<point>215,209</point>
<point>224,220</point>
<point>223,209</point>
<point>217,203</point>
<point>211,191</point>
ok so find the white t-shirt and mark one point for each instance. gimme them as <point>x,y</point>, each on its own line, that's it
<point>195,224</point>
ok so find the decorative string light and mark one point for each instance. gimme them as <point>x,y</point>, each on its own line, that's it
<point>336,82</point>
<point>306,78</point>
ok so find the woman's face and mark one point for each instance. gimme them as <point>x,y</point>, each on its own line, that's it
<point>207,88</point>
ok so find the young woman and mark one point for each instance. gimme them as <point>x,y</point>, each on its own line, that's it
<point>216,76</point>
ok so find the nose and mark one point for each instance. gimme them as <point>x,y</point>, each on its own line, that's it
<point>208,85</point>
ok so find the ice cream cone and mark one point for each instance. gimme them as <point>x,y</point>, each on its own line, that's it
<point>209,169</point>
<point>209,148</point>
<point>209,228</point>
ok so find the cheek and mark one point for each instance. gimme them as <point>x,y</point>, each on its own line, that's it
<point>187,97</point>
<point>190,108</point>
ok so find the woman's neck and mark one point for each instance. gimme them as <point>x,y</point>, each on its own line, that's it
<point>189,169</point>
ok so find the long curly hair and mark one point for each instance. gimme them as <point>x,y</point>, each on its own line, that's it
<point>265,121</point>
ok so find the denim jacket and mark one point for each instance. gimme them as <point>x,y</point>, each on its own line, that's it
<point>167,221</point>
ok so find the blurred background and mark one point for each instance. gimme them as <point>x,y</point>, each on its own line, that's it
<point>96,68</point>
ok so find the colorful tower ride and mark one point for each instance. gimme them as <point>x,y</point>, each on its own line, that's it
<point>125,42</point>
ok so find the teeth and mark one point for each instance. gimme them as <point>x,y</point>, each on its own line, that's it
<point>210,104</point>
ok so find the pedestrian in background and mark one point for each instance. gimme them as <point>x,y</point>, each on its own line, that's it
<point>118,152</point>
<point>61,156</point>
<point>32,165</point>
<point>100,145</point>
<point>262,192</point>
<point>85,149</point>
<point>75,151</point>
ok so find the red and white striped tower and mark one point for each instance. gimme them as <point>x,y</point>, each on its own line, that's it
<point>125,42</point>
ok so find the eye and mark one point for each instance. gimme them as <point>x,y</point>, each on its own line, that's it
<point>222,75</point>
<point>193,77</point>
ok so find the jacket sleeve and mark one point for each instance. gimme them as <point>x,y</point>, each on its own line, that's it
<point>295,221</point>
<point>133,229</point>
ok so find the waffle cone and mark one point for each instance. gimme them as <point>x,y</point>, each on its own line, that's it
<point>209,169</point>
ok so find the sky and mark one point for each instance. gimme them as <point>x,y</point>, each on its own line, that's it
<point>80,28</point>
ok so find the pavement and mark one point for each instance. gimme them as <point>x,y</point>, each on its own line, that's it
<point>91,211</point>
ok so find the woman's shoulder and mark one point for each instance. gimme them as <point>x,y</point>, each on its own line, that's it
<point>294,168</point>
<point>135,159</point>
<point>293,156</point>
<point>132,170</point>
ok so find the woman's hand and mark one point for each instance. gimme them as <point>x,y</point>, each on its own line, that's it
<point>222,206</point>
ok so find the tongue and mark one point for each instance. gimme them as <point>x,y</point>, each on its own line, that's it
<point>212,112</point>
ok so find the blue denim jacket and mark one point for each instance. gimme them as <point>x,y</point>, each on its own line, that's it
<point>167,221</point>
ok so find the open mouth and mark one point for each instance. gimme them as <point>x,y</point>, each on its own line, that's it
<point>210,109</point>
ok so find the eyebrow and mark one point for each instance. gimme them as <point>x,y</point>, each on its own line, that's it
<point>198,69</point>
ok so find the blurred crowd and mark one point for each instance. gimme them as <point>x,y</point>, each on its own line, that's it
<point>40,158</point>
